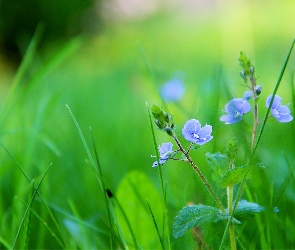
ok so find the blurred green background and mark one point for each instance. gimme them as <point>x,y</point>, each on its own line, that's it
<point>106,60</point>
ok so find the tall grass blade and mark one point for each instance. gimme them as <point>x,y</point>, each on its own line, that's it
<point>92,163</point>
<point>98,171</point>
<point>43,201</point>
<point>27,60</point>
<point>165,223</point>
<point>156,225</point>
<point>286,182</point>
<point>274,92</point>
<point>44,223</point>
<point>108,203</point>
<point>27,223</point>
<point>28,208</point>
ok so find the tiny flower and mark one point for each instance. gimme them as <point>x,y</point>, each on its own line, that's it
<point>173,90</point>
<point>193,132</point>
<point>236,108</point>
<point>165,153</point>
<point>281,112</point>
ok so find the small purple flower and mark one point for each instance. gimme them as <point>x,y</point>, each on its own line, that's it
<point>281,112</point>
<point>173,90</point>
<point>235,109</point>
<point>193,132</point>
<point>165,153</point>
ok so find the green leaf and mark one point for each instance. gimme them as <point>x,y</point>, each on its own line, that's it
<point>197,215</point>
<point>133,193</point>
<point>246,209</point>
<point>218,164</point>
<point>234,176</point>
<point>232,150</point>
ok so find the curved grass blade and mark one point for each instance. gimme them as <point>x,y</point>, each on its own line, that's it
<point>28,208</point>
<point>273,95</point>
<point>97,170</point>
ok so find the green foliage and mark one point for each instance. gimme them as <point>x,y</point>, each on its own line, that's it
<point>163,120</point>
<point>218,164</point>
<point>133,192</point>
<point>197,215</point>
<point>234,176</point>
<point>232,150</point>
<point>246,209</point>
<point>246,65</point>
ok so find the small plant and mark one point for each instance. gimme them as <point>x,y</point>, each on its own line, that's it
<point>225,173</point>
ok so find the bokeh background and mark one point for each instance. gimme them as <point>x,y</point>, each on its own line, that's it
<point>106,60</point>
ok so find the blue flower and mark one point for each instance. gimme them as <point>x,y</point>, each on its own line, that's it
<point>165,153</point>
<point>281,112</point>
<point>235,109</point>
<point>248,95</point>
<point>193,132</point>
<point>173,90</point>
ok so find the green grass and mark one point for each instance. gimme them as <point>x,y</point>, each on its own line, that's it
<point>106,83</point>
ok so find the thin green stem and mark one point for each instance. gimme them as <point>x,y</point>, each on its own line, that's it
<point>255,125</point>
<point>230,192</point>
<point>199,172</point>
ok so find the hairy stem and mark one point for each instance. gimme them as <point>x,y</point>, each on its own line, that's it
<point>199,172</point>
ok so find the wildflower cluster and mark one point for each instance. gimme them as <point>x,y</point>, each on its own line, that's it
<point>237,107</point>
<point>192,132</point>
<point>224,172</point>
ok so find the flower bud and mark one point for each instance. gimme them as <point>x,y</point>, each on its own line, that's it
<point>158,123</point>
<point>251,69</point>
<point>242,73</point>
<point>258,90</point>
<point>169,131</point>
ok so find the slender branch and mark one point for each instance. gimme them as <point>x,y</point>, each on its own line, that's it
<point>199,172</point>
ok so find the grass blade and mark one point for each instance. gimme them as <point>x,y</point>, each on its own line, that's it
<point>156,225</point>
<point>44,223</point>
<point>274,92</point>
<point>27,222</point>
<point>128,224</point>
<point>43,201</point>
<point>28,208</point>
<point>98,173</point>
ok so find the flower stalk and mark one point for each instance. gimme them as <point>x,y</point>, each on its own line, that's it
<point>199,172</point>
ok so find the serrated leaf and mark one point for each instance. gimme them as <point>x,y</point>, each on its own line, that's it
<point>246,209</point>
<point>237,174</point>
<point>234,176</point>
<point>218,164</point>
<point>197,215</point>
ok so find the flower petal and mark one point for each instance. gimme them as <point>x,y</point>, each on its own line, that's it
<point>230,119</point>
<point>276,102</point>
<point>190,129</point>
